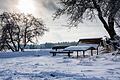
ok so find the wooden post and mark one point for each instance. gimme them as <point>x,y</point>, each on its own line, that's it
<point>83,53</point>
<point>91,52</point>
<point>97,51</point>
<point>55,49</point>
<point>54,54</point>
<point>68,54</point>
<point>77,54</point>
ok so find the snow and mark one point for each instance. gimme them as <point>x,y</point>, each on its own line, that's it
<point>40,65</point>
<point>82,47</point>
<point>35,52</point>
<point>77,48</point>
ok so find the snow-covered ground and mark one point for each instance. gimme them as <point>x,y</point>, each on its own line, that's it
<point>40,65</point>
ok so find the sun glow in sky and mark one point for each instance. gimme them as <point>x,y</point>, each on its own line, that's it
<point>26,6</point>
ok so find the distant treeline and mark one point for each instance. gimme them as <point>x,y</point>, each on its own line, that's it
<point>49,45</point>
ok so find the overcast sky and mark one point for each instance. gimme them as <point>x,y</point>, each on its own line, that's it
<point>57,32</point>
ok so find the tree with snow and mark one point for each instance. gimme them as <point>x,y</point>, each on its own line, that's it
<point>108,12</point>
<point>18,29</point>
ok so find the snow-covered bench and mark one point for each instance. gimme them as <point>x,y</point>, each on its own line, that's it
<point>59,50</point>
<point>83,48</point>
<point>85,44</point>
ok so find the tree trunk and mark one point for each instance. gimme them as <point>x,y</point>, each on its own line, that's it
<point>110,26</point>
<point>111,32</point>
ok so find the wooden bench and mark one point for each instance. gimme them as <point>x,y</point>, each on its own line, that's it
<point>91,41</point>
<point>80,48</point>
<point>58,47</point>
<point>92,44</point>
<point>57,50</point>
<point>64,52</point>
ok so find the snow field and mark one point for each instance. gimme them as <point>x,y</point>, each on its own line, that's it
<point>40,65</point>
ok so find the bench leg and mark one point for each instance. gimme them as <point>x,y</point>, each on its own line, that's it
<point>91,52</point>
<point>83,53</point>
<point>68,54</point>
<point>54,54</point>
<point>97,51</point>
<point>77,54</point>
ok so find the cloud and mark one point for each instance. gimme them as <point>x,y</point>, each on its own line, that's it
<point>50,4</point>
<point>7,5</point>
<point>45,10</point>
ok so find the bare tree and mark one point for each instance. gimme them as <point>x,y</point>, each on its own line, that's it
<point>108,11</point>
<point>17,30</point>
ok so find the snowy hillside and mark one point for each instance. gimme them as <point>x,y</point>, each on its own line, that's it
<point>40,65</point>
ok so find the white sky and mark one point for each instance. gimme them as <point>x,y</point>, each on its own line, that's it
<point>57,32</point>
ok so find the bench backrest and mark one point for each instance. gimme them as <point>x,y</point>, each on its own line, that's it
<point>90,41</point>
<point>59,47</point>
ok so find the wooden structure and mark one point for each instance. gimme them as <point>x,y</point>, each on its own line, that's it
<point>85,44</point>
<point>93,43</point>
<point>64,52</point>
<point>90,41</point>
<point>82,48</point>
<point>58,47</point>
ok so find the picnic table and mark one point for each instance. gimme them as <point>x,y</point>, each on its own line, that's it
<point>59,49</point>
<point>85,44</point>
<point>83,48</point>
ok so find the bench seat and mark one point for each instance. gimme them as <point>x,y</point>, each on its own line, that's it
<point>59,52</point>
<point>58,47</point>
